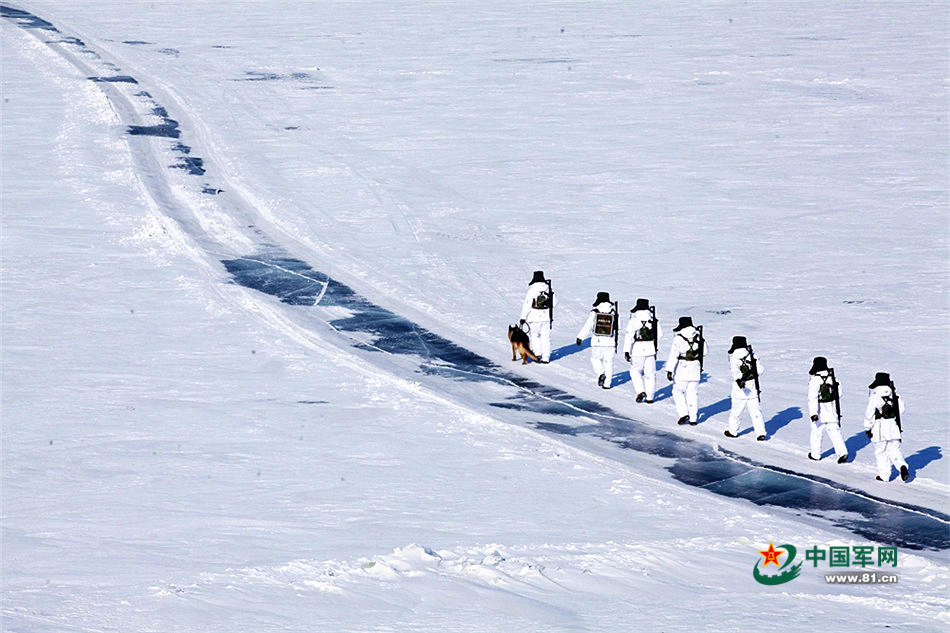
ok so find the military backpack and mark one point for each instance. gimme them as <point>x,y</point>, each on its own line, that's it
<point>828,391</point>
<point>542,301</point>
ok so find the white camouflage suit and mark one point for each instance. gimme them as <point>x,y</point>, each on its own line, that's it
<point>602,348</point>
<point>884,433</point>
<point>539,322</point>
<point>642,353</point>
<point>686,375</point>
<point>827,417</point>
<point>744,397</point>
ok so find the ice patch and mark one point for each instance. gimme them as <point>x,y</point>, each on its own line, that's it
<point>114,79</point>
<point>26,19</point>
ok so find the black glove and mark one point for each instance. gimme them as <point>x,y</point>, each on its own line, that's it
<point>868,433</point>
<point>669,376</point>
<point>626,356</point>
<point>579,342</point>
<point>814,418</point>
<point>522,322</point>
<point>741,383</point>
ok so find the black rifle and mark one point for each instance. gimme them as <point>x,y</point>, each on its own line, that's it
<point>550,304</point>
<point>702,342</point>
<point>897,407</point>
<point>653,327</point>
<point>755,373</point>
<point>616,324</point>
<point>834,385</point>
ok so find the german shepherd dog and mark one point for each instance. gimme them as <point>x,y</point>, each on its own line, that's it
<point>519,345</point>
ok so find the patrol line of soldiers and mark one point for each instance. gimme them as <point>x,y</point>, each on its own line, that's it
<point>684,365</point>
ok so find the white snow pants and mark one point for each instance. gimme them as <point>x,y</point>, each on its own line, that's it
<point>755,412</point>
<point>643,374</point>
<point>602,359</point>
<point>686,398</point>
<point>888,452</point>
<point>831,428</point>
<point>539,339</point>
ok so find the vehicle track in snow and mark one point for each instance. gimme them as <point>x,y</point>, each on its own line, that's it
<point>232,235</point>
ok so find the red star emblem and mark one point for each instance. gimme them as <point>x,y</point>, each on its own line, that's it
<point>771,555</point>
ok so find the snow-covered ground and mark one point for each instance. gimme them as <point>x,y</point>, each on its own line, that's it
<point>184,453</point>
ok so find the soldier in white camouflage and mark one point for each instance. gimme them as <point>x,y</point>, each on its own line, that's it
<point>684,368</point>
<point>639,349</point>
<point>745,370</point>
<point>824,409</point>
<point>882,423</point>
<point>537,313</point>
<point>602,327</point>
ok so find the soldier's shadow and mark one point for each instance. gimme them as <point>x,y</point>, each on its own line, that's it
<point>855,443</point>
<point>779,420</point>
<point>567,350</point>
<point>710,410</point>
<point>663,393</point>
<point>919,460</point>
<point>620,378</point>
<point>782,419</point>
